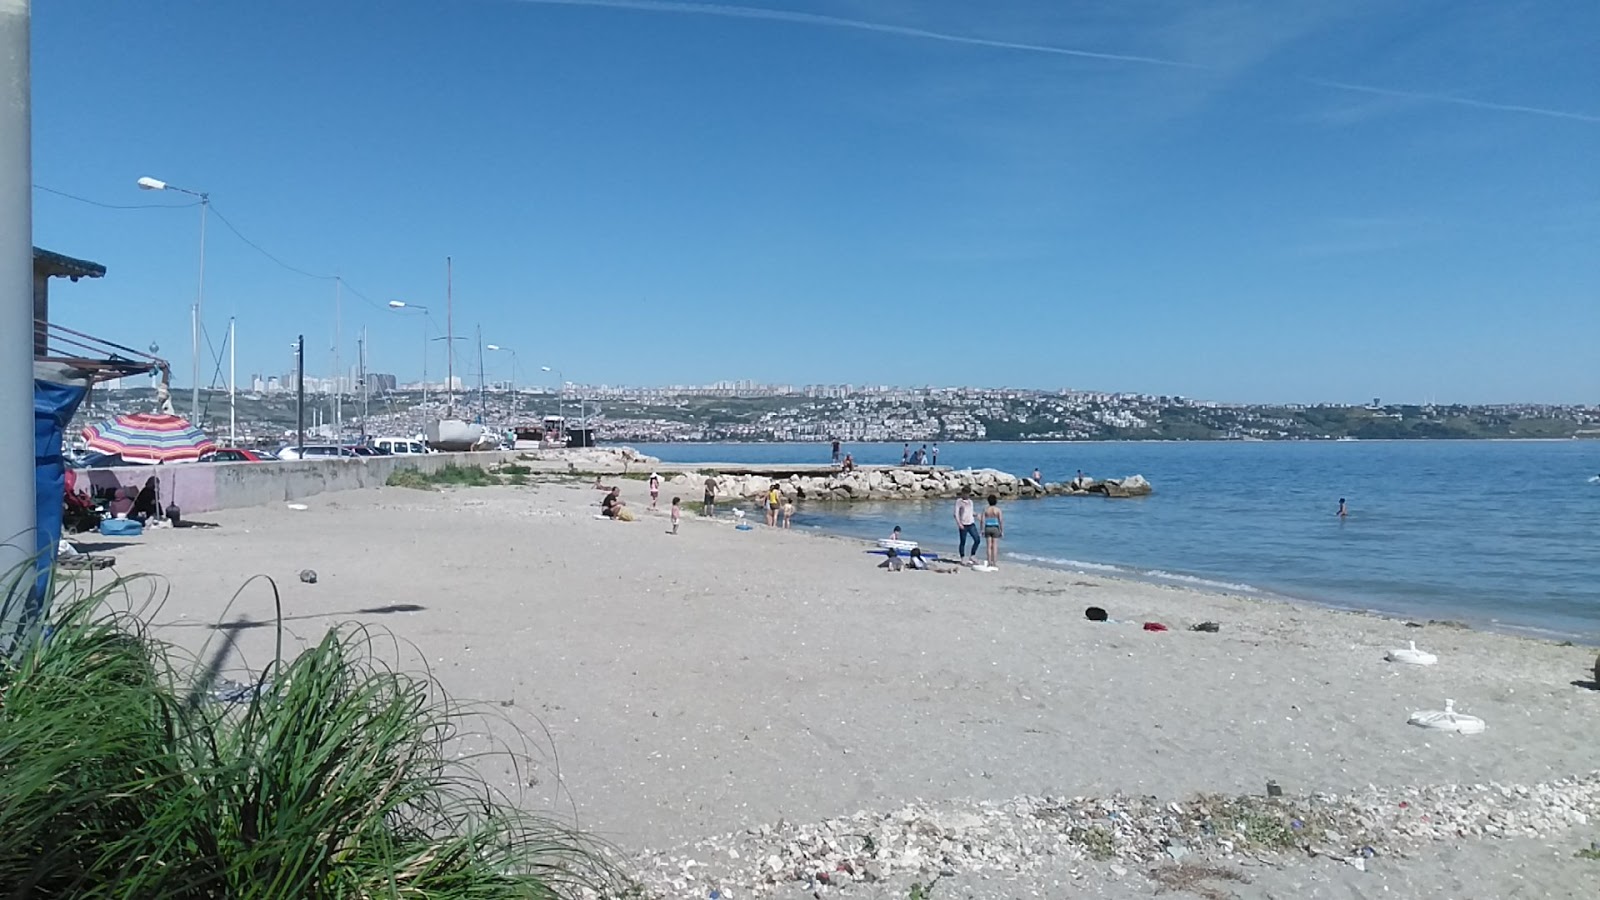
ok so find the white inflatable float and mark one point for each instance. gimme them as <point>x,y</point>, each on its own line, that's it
<point>1447,719</point>
<point>1411,656</point>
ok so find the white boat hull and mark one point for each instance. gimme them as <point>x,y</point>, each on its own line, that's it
<point>454,435</point>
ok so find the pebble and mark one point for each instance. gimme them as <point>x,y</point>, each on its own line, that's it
<point>924,840</point>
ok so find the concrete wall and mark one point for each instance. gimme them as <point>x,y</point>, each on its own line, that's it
<point>206,487</point>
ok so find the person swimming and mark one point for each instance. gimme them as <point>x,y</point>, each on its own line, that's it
<point>1343,512</point>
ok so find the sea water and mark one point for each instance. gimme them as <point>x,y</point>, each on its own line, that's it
<point>1496,533</point>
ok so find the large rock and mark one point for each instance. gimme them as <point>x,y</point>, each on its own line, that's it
<point>1132,486</point>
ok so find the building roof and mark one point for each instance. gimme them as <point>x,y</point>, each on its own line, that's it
<point>59,266</point>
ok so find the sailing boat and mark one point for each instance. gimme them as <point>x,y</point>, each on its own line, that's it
<point>450,434</point>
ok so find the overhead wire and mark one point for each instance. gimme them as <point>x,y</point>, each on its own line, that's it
<point>50,190</point>
<point>231,227</point>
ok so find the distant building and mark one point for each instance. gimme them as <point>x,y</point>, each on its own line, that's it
<point>378,382</point>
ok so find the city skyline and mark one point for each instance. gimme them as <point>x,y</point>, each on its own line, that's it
<point>1318,204</point>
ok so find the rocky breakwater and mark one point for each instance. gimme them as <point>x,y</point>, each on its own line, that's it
<point>907,484</point>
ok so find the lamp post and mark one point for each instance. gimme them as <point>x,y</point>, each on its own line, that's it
<point>561,398</point>
<point>155,184</point>
<point>513,385</point>
<point>401,304</point>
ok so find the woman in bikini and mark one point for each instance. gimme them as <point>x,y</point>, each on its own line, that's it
<point>994,526</point>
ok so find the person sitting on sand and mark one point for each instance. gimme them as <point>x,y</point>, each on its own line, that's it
<point>915,561</point>
<point>145,506</point>
<point>892,561</point>
<point>611,504</point>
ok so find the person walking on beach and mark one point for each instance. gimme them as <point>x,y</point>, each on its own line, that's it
<point>774,502</point>
<point>905,454</point>
<point>836,451</point>
<point>935,453</point>
<point>677,513</point>
<point>655,489</point>
<point>966,526</point>
<point>709,509</point>
<point>994,527</point>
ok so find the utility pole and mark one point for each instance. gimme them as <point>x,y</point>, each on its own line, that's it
<point>299,396</point>
<point>17,526</point>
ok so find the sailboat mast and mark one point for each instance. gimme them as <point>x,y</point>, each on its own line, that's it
<point>449,341</point>
<point>362,352</point>
<point>233,416</point>
<point>483,405</point>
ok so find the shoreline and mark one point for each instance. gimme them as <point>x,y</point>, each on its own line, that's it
<point>1244,590</point>
<point>1180,581</point>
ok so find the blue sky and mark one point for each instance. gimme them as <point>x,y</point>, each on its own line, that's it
<point>851,191</point>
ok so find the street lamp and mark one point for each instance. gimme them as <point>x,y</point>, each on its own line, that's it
<point>513,385</point>
<point>154,184</point>
<point>401,304</point>
<point>561,398</point>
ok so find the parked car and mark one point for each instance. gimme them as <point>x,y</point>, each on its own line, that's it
<point>234,454</point>
<point>364,450</point>
<point>399,445</point>
<point>316,451</point>
<point>98,461</point>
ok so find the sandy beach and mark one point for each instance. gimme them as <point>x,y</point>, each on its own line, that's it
<point>683,687</point>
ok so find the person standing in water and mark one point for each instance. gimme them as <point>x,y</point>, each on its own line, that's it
<point>994,528</point>
<point>1343,513</point>
<point>905,454</point>
<point>966,526</point>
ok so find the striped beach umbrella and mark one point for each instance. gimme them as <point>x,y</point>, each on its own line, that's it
<point>149,438</point>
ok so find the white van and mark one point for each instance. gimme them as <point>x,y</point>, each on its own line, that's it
<point>399,445</point>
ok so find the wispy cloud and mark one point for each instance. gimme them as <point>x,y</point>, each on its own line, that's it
<point>1426,97</point>
<point>679,7</point>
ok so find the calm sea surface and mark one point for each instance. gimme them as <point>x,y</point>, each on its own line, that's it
<point>1498,533</point>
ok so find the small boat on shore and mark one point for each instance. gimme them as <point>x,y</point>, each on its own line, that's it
<point>454,435</point>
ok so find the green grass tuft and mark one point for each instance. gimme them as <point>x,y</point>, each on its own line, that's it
<point>409,478</point>
<point>123,779</point>
<point>452,474</point>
